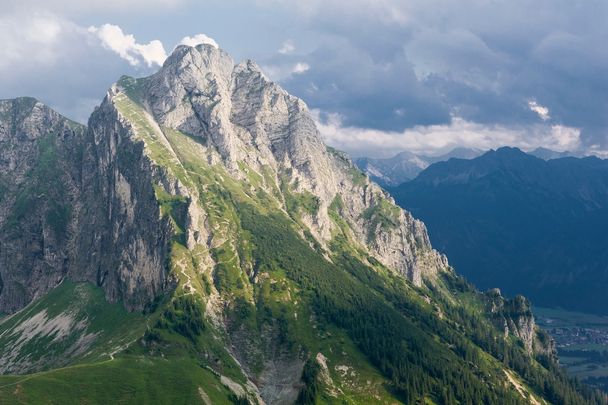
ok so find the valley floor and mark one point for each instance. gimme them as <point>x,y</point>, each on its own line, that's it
<point>582,343</point>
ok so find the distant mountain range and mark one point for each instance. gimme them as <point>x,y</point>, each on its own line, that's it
<point>512,220</point>
<point>548,154</point>
<point>406,165</point>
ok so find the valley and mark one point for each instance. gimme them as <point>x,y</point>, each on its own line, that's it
<point>581,341</point>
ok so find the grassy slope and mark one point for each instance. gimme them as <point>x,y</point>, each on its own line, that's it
<point>96,376</point>
<point>83,304</point>
<point>123,380</point>
<point>294,270</point>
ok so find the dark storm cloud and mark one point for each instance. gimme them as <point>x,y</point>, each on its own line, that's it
<point>483,61</point>
<point>367,91</point>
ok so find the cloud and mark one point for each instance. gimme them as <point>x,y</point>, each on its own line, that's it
<point>300,67</point>
<point>198,39</point>
<point>70,7</point>
<point>366,90</point>
<point>33,37</point>
<point>113,38</point>
<point>543,112</point>
<point>282,72</point>
<point>435,139</point>
<point>388,65</point>
<point>387,11</point>
<point>66,65</point>
<point>287,47</point>
<point>394,65</point>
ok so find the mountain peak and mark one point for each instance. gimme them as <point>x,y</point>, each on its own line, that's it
<point>506,155</point>
<point>508,151</point>
<point>197,53</point>
<point>28,117</point>
<point>31,101</point>
<point>21,106</point>
<point>241,120</point>
<point>196,66</point>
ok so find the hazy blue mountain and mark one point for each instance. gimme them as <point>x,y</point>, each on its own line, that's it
<point>405,166</point>
<point>548,154</point>
<point>511,220</point>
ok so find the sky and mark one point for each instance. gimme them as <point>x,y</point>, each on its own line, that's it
<point>379,76</point>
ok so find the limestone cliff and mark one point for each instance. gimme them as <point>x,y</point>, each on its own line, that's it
<point>77,204</point>
<point>515,317</point>
<point>39,187</point>
<point>123,242</point>
<point>243,119</point>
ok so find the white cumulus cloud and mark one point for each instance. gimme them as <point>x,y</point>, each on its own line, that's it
<point>300,67</point>
<point>198,39</point>
<point>543,112</point>
<point>283,72</point>
<point>435,139</point>
<point>113,38</point>
<point>287,47</point>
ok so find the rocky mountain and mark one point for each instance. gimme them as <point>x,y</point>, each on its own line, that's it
<point>393,171</point>
<point>63,212</point>
<point>38,187</point>
<point>515,317</point>
<point>512,220</point>
<point>214,250</point>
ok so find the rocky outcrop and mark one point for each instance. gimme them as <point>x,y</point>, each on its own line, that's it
<point>39,188</point>
<point>123,242</point>
<point>515,317</point>
<point>78,204</point>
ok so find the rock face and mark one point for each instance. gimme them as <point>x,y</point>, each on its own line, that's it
<point>39,178</point>
<point>243,118</point>
<point>515,317</point>
<point>77,204</point>
<point>123,243</point>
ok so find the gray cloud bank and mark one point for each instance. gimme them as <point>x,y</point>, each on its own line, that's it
<point>394,66</point>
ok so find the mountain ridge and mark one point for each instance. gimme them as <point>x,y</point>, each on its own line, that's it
<point>547,213</point>
<point>405,166</point>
